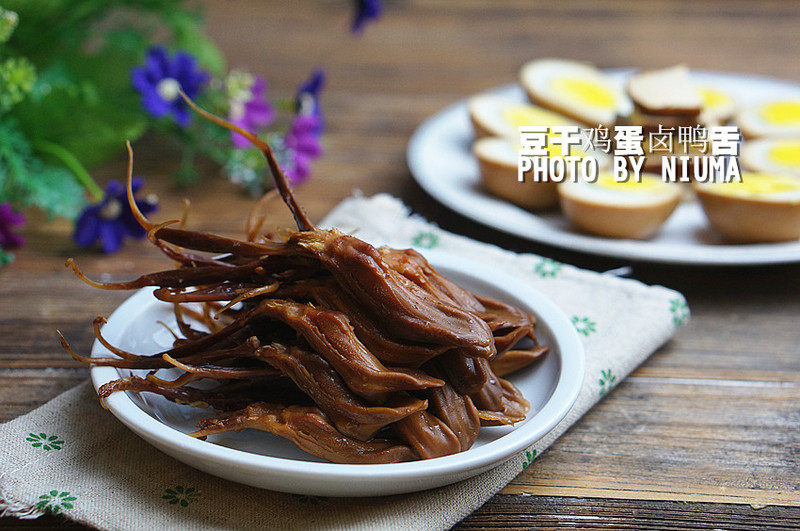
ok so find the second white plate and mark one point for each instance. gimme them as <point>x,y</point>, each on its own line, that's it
<point>267,461</point>
<point>440,160</point>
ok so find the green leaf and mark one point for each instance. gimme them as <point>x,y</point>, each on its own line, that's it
<point>91,119</point>
<point>25,180</point>
<point>55,191</point>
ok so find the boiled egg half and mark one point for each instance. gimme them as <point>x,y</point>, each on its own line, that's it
<point>773,155</point>
<point>763,207</point>
<point>771,119</point>
<point>613,209</point>
<point>576,89</point>
<point>498,159</point>
<point>494,115</point>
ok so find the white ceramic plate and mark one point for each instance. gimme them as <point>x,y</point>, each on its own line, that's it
<point>440,160</point>
<point>264,460</point>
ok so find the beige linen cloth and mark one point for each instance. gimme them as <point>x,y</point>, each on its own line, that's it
<point>73,458</point>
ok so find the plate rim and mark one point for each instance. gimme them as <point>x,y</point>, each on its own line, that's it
<point>643,251</point>
<point>565,393</point>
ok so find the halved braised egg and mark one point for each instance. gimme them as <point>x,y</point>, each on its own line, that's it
<point>576,89</point>
<point>498,159</point>
<point>763,207</point>
<point>630,209</point>
<point>771,119</point>
<point>775,155</point>
<point>494,115</point>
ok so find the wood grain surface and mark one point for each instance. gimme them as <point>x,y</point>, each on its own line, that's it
<point>704,434</point>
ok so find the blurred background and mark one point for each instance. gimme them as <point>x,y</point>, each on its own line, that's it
<point>421,56</point>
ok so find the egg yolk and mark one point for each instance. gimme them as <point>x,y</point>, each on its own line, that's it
<point>759,184</point>
<point>785,153</point>
<point>713,98</point>
<point>518,115</point>
<point>591,93</point>
<point>648,184</point>
<point>781,113</point>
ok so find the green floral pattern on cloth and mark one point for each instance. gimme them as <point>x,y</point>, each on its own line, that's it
<point>547,268</point>
<point>584,325</point>
<point>426,240</point>
<point>44,442</point>
<point>529,456</point>
<point>606,381</point>
<point>679,310</point>
<point>54,502</point>
<point>179,495</point>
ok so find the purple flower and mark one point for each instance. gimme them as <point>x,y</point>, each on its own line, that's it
<point>9,219</point>
<point>366,11</point>
<point>302,142</point>
<point>111,220</point>
<point>159,79</point>
<point>306,99</point>
<point>251,114</point>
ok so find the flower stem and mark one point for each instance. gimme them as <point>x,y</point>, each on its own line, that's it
<point>73,164</point>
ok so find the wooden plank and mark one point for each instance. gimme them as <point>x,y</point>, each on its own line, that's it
<point>549,512</point>
<point>679,439</point>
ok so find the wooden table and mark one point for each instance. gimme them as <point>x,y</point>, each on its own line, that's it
<point>704,433</point>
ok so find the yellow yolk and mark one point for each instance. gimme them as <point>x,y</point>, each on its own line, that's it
<point>785,153</point>
<point>528,115</point>
<point>759,184</point>
<point>606,180</point>
<point>591,93</point>
<point>713,98</point>
<point>781,113</point>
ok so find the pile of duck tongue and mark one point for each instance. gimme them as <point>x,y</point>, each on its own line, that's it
<point>354,353</point>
